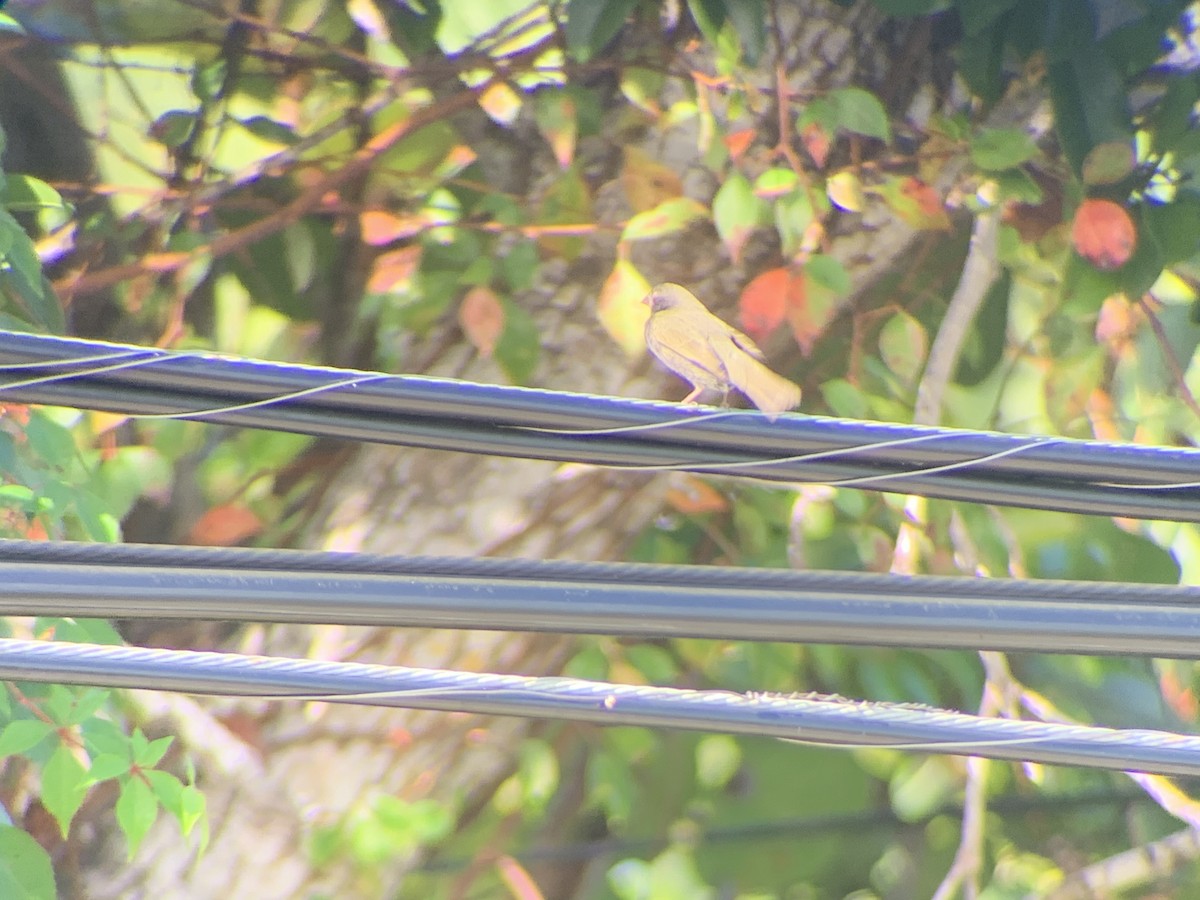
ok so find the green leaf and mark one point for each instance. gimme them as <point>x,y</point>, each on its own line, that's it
<point>829,272</point>
<point>64,786</point>
<point>174,127</point>
<point>136,810</point>
<point>519,348</point>
<point>1108,163</point>
<point>860,112</point>
<point>749,18</point>
<point>709,16</point>
<point>1090,102</point>
<point>793,215</point>
<point>193,808</point>
<point>150,754</point>
<point>668,217</point>
<point>109,765</point>
<point>25,868</point>
<point>591,24</point>
<point>22,735</point>
<point>208,80</point>
<point>167,789</point>
<point>270,130</point>
<point>24,193</point>
<point>22,284</point>
<point>655,664</point>
<point>738,211</point>
<point>903,344</point>
<point>775,183</point>
<point>844,399</point>
<point>997,149</point>
<point>1173,227</point>
<point>718,759</point>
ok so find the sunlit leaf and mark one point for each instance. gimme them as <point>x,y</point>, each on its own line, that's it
<point>1108,163</point>
<point>556,117</point>
<point>668,217</point>
<point>845,191</point>
<point>621,310</point>
<point>737,212</point>
<point>903,344</point>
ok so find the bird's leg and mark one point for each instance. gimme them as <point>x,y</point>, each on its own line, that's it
<point>725,397</point>
<point>691,398</point>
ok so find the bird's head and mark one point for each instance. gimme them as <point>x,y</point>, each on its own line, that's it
<point>669,296</point>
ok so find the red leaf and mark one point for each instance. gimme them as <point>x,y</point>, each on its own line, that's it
<point>224,526</point>
<point>764,302</point>
<point>1103,234</point>
<point>482,319</point>
<point>738,142</point>
<point>817,142</point>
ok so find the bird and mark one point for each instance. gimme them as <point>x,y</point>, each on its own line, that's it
<point>709,354</point>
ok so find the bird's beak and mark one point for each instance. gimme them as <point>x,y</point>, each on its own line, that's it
<point>646,300</point>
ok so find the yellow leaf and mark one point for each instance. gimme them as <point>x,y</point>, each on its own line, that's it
<point>646,181</point>
<point>845,191</point>
<point>501,102</point>
<point>621,310</point>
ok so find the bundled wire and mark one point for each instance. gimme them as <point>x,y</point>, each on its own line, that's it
<point>820,720</point>
<point>1035,472</point>
<point>132,581</point>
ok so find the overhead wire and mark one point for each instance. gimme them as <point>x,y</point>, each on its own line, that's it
<point>1031,471</point>
<point>825,721</point>
<point>130,581</point>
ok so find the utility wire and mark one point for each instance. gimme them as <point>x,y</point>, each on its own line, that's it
<point>824,721</point>
<point>137,581</point>
<point>1035,472</point>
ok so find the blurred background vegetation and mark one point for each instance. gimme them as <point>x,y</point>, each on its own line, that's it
<point>977,213</point>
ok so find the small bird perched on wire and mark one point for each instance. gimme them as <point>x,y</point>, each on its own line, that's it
<point>710,355</point>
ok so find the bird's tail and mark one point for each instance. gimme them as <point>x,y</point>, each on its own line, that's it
<point>771,393</point>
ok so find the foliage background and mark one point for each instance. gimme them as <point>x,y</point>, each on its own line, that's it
<point>486,191</point>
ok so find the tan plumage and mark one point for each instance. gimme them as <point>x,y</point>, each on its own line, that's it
<point>709,354</point>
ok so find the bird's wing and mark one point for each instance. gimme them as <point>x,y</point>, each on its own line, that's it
<point>743,341</point>
<point>685,350</point>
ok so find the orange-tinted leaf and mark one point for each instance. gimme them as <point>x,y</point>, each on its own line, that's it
<point>501,102</point>
<point>915,203</point>
<point>695,497</point>
<point>669,216</point>
<point>36,531</point>
<point>738,142</point>
<point>845,191</point>
<point>647,182</point>
<point>816,141</point>
<point>393,270</point>
<point>379,227</point>
<point>811,304</point>
<point>763,304</point>
<point>1117,325</point>
<point>621,310</point>
<point>481,317</point>
<point>1103,233</point>
<point>224,526</point>
<point>775,183</point>
<point>558,121</point>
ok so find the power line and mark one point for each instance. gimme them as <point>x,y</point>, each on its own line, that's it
<point>1035,472</point>
<point>821,720</point>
